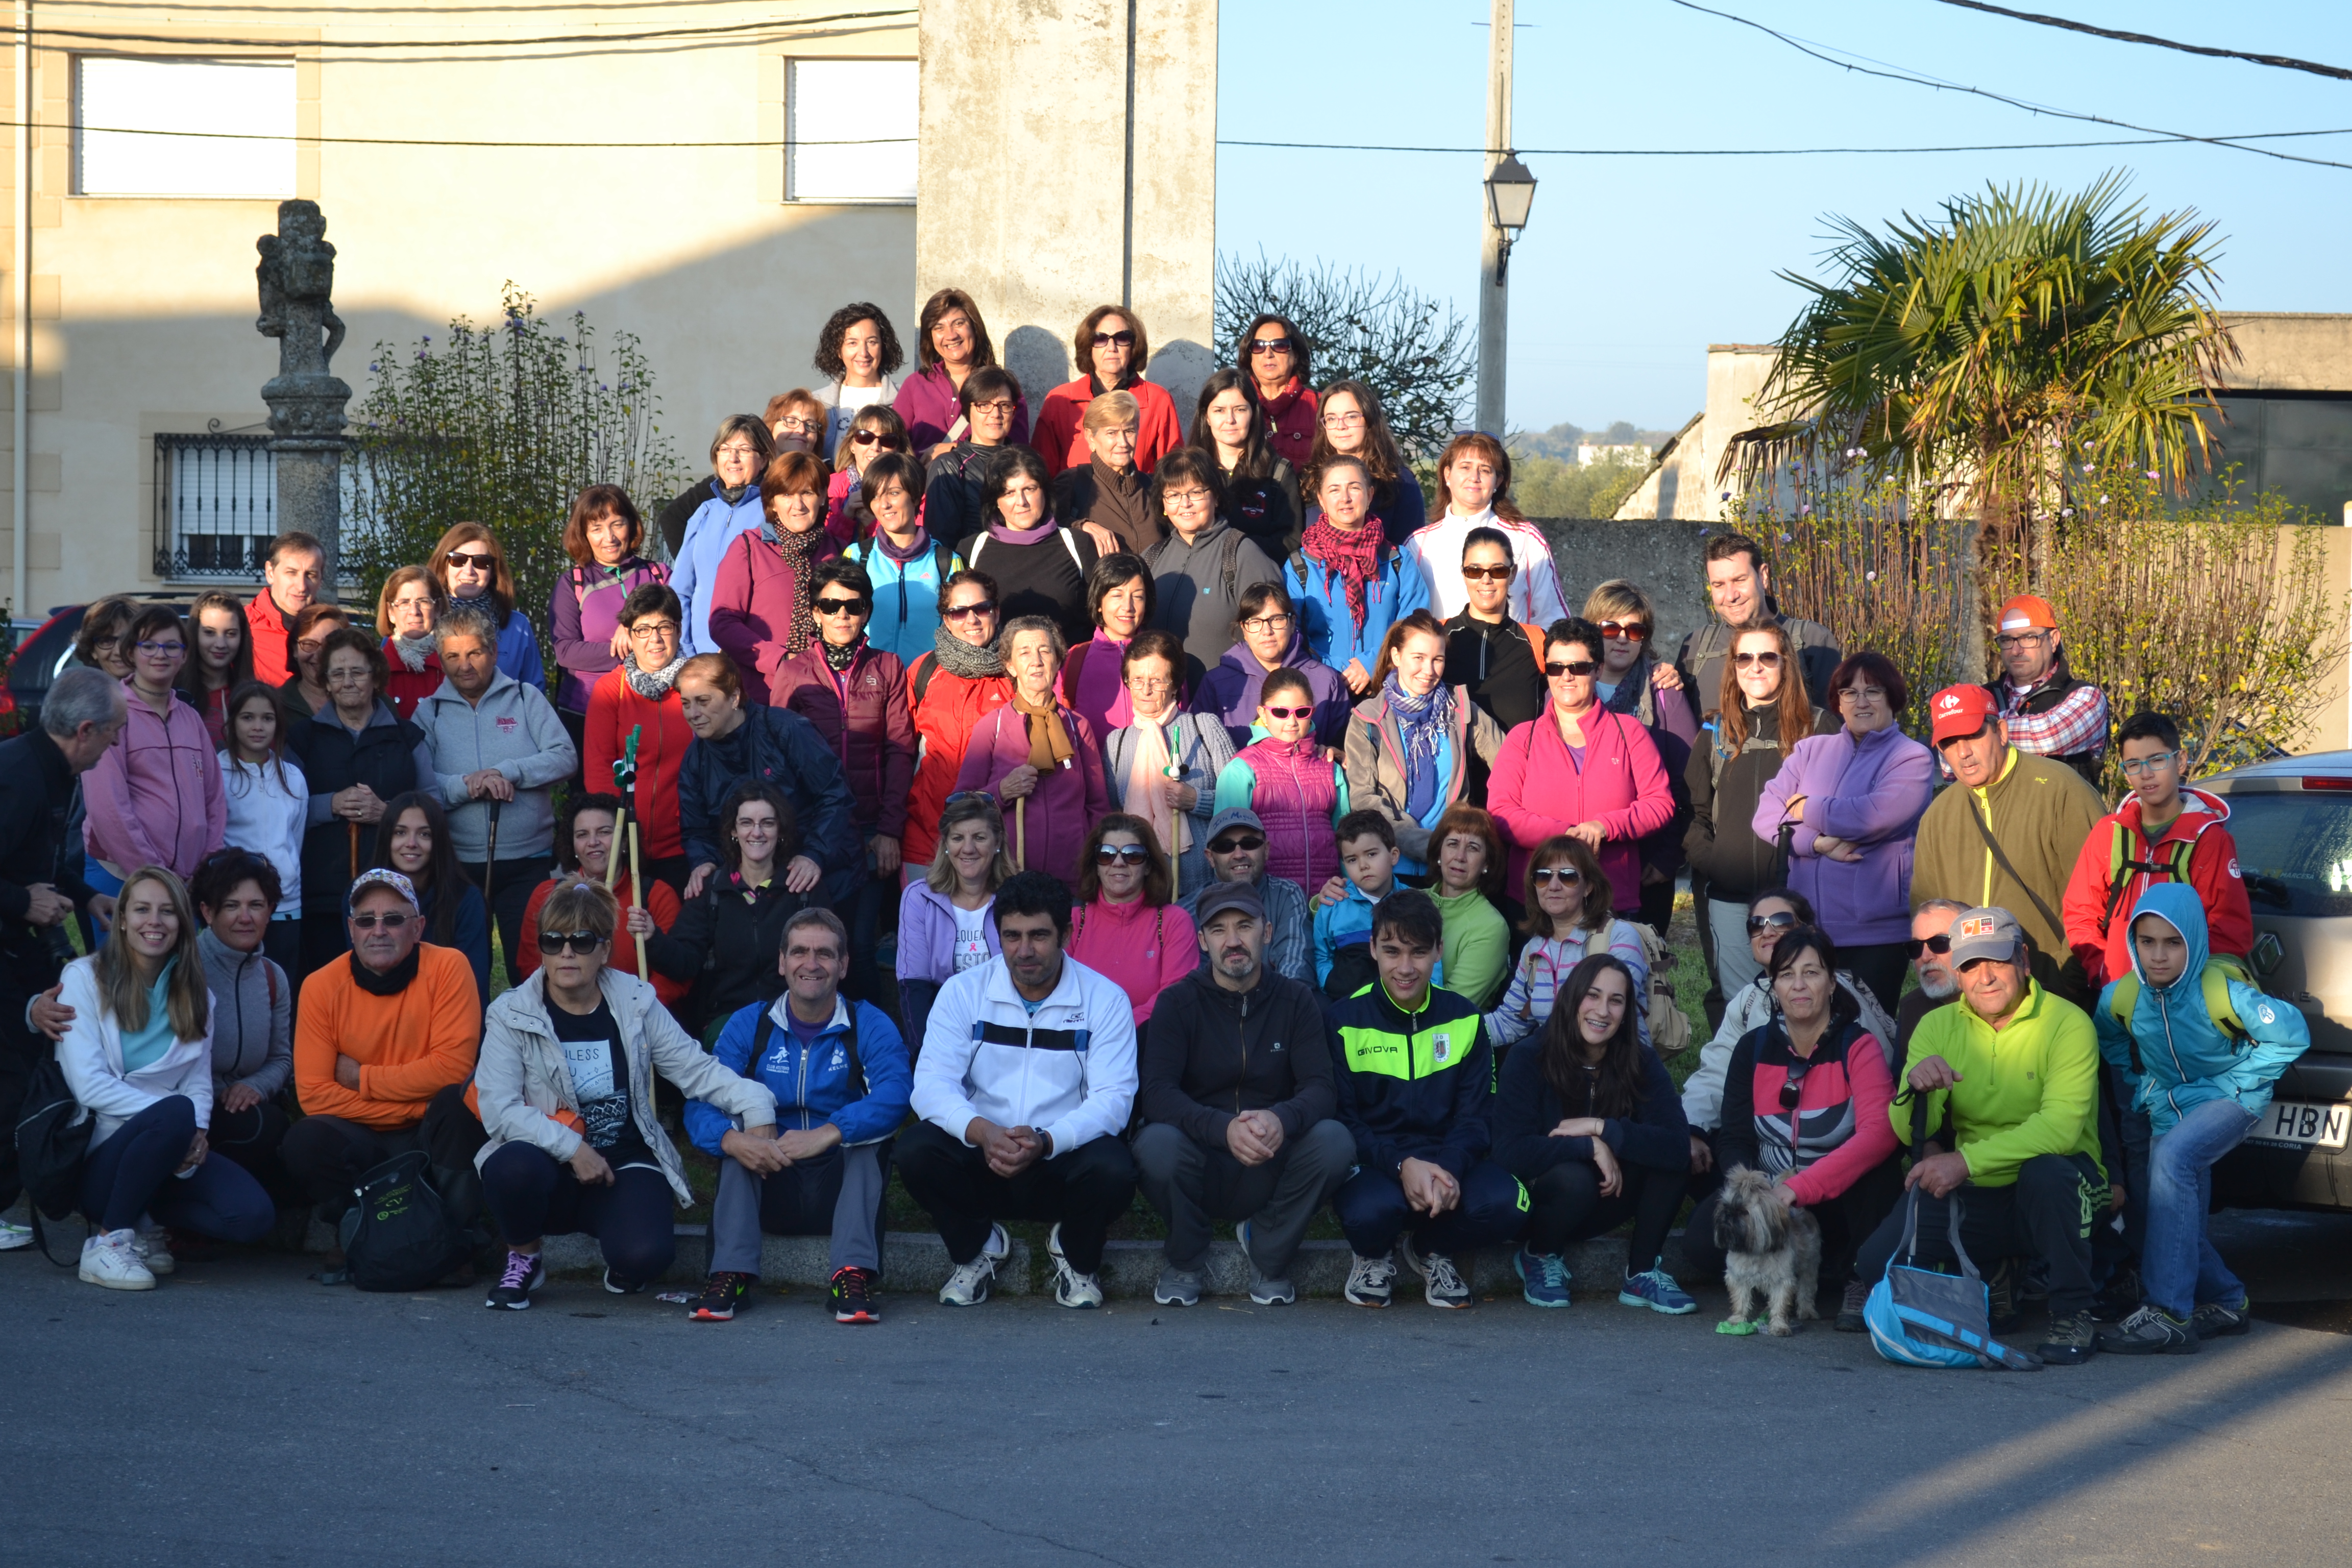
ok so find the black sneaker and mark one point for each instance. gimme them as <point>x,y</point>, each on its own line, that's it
<point>615,1286</point>
<point>2120,1299</point>
<point>1849,1313</point>
<point>523,1274</point>
<point>2000,1296</point>
<point>722,1293</point>
<point>2215,1318</point>
<point>2071,1342</point>
<point>2151,1330</point>
<point>853,1296</point>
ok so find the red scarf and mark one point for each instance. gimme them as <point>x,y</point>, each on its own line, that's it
<point>1354,556</point>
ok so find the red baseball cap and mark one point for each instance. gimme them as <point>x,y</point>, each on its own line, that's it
<point>2025,611</point>
<point>1960,712</point>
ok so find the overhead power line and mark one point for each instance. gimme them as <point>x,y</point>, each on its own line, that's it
<point>2283,62</point>
<point>428,14</point>
<point>720,30</point>
<point>1915,79</point>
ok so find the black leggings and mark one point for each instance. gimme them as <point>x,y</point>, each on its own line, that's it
<point>1566,1206</point>
<point>532,1195</point>
<point>135,1172</point>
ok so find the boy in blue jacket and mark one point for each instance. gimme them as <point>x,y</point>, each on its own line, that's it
<point>1416,1082</point>
<point>2198,1051</point>
<point>842,1080</point>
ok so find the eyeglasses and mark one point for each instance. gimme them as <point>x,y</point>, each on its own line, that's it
<point>1265,624</point>
<point>346,676</point>
<point>2009,642</point>
<point>1938,945</point>
<point>737,450</point>
<point>868,437</point>
<point>2133,766</point>
<point>472,558</point>
<point>1245,844</point>
<point>650,631</point>
<point>389,922</point>
<point>1577,666</point>
<point>1185,499</point>
<point>1269,346</point>
<point>1346,421</point>
<point>1149,682</point>
<point>1781,921</point>
<point>800,422</point>
<point>1861,694</point>
<point>839,607</point>
<point>1120,854</point>
<point>1792,1088</point>
<point>1290,712</point>
<point>170,649</point>
<point>580,941</point>
<point>1001,408</point>
<point>1625,631</point>
<point>1123,339</point>
<point>966,611</point>
<point>1768,660</point>
<point>1566,876</point>
<point>1489,574</point>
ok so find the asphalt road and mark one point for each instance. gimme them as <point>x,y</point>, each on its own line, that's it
<point>241,1415</point>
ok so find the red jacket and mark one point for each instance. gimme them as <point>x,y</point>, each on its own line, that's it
<point>2104,944</point>
<point>1061,439</point>
<point>1537,790</point>
<point>404,690</point>
<point>1290,421</point>
<point>945,711</point>
<point>752,609</point>
<point>613,710</point>
<point>663,904</point>
<point>876,742</point>
<point>273,649</point>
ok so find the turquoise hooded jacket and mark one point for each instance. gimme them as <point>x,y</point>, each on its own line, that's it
<point>2185,1059</point>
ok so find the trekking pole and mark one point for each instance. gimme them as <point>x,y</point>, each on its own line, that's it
<point>354,827</point>
<point>1021,834</point>
<point>1175,834</point>
<point>637,893</point>
<point>490,862</point>
<point>624,784</point>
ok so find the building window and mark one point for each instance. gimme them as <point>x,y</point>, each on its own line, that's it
<point>849,131</point>
<point>215,506</point>
<point>241,110</point>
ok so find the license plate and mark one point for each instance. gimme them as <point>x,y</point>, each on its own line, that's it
<point>2303,1125</point>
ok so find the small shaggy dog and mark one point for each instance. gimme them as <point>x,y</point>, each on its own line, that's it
<point>1771,1246</point>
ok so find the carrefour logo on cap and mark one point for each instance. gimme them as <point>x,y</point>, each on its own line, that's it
<point>1948,701</point>
<point>1980,925</point>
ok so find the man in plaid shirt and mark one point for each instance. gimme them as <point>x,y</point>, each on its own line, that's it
<point>2048,713</point>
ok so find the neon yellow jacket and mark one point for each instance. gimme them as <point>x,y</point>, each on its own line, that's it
<point>2030,1089</point>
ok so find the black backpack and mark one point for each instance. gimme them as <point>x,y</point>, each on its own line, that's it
<point>52,1139</point>
<point>1352,969</point>
<point>397,1236</point>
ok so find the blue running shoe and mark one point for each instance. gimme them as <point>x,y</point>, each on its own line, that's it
<point>1656,1289</point>
<point>1543,1277</point>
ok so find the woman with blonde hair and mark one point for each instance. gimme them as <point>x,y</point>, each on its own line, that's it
<point>1634,681</point>
<point>1124,928</point>
<point>943,924</point>
<point>1567,918</point>
<point>137,1054</point>
<point>470,565</point>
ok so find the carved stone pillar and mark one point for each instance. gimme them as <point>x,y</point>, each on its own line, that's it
<point>297,277</point>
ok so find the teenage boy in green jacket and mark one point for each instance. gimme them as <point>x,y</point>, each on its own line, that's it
<point>2010,1081</point>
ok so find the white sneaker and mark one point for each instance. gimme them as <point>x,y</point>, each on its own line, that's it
<point>999,1246</point>
<point>14,1236</point>
<point>1071,1289</point>
<point>968,1285</point>
<point>111,1260</point>
<point>154,1249</point>
<point>1371,1281</point>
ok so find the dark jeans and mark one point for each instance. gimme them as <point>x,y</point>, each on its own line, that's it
<point>1880,966</point>
<point>876,898</point>
<point>532,1195</point>
<point>1846,1220</point>
<point>252,1138</point>
<point>511,880</point>
<point>281,944</point>
<point>133,1172</point>
<point>1084,1189</point>
<point>328,1155</point>
<point>1372,1210</point>
<point>1192,1183</point>
<point>1566,1206</point>
<point>2047,1214</point>
<point>915,999</point>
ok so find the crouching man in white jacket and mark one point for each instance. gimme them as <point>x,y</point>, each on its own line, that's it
<point>1027,1075</point>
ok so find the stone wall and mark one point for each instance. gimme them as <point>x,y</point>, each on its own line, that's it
<point>1662,556</point>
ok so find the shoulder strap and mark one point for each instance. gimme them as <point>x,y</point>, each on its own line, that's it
<point>1070,542</point>
<point>979,542</point>
<point>942,563</point>
<point>1229,564</point>
<point>269,978</point>
<point>2215,983</point>
<point>2000,858</point>
<point>761,1033</point>
<point>927,665</point>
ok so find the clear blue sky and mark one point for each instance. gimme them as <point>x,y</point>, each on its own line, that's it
<point>1631,267</point>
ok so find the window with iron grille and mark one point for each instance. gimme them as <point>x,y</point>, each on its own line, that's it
<point>216,505</point>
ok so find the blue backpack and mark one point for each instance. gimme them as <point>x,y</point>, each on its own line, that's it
<point>1917,1317</point>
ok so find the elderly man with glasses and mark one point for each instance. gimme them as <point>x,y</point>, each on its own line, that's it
<point>2050,714</point>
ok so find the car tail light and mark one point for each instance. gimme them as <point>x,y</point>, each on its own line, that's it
<point>2338,783</point>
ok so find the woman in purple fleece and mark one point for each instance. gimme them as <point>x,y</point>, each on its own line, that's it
<point>944,927</point>
<point>1852,800</point>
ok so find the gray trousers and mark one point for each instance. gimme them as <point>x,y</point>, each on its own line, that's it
<point>839,1193</point>
<point>1191,1184</point>
<point>1735,961</point>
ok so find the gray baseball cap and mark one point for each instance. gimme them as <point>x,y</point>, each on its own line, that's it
<point>1231,816</point>
<point>1985,933</point>
<point>1219,897</point>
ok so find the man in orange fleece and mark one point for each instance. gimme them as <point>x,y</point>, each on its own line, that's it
<point>383,1047</point>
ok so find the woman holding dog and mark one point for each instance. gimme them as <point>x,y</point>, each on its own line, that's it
<point>1590,1126</point>
<point>1805,1103</point>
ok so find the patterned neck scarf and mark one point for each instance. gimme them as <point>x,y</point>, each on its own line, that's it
<point>1421,723</point>
<point>1353,555</point>
<point>960,658</point>
<point>413,652</point>
<point>796,551</point>
<point>837,660</point>
<point>653,687</point>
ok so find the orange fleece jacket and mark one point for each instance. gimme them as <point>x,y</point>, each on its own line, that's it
<point>408,1046</point>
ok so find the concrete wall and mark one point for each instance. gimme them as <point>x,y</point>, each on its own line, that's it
<point>1024,200</point>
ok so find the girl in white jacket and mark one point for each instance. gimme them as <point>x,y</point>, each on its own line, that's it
<point>269,802</point>
<point>137,1053</point>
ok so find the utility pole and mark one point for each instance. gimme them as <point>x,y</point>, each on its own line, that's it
<point>1494,244</point>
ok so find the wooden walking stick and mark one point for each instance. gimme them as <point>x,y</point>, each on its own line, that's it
<point>624,784</point>
<point>1021,834</point>
<point>354,827</point>
<point>637,892</point>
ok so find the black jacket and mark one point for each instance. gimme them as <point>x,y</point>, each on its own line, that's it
<point>383,756</point>
<point>36,791</point>
<point>726,943</point>
<point>778,747</point>
<point>1047,578</point>
<point>1210,1054</point>
<point>1526,1109</point>
<point>1498,667</point>
<point>1264,510</point>
<point>1721,840</point>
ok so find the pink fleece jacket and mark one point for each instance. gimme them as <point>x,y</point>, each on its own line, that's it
<point>155,797</point>
<point>1140,948</point>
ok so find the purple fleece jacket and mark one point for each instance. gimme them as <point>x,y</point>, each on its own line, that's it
<point>1231,692</point>
<point>926,931</point>
<point>1870,790</point>
<point>581,614</point>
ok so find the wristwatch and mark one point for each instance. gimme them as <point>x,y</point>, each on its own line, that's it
<point>1044,1144</point>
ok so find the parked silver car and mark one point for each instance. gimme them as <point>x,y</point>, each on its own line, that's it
<point>2292,819</point>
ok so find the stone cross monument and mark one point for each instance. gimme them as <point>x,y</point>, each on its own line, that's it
<point>306,404</point>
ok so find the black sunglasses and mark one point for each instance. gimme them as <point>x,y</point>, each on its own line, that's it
<point>839,607</point>
<point>1792,1088</point>
<point>1112,853</point>
<point>1244,842</point>
<point>1577,666</point>
<point>1123,339</point>
<point>580,941</point>
<point>1543,874</point>
<point>389,922</point>
<point>868,437</point>
<point>1781,921</point>
<point>1938,945</point>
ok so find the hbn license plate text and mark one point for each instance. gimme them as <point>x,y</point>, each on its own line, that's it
<point>2291,1122</point>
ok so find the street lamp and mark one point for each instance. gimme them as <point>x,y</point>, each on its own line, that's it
<point>1510,192</point>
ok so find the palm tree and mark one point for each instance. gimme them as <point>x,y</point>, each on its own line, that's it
<point>1990,357</point>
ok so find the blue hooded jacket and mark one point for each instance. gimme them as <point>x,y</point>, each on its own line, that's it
<point>812,1086</point>
<point>2186,1059</point>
